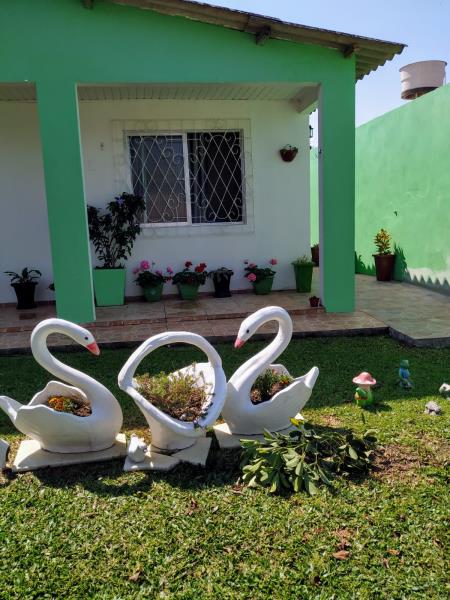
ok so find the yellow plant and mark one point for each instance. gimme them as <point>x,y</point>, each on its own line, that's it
<point>383,242</point>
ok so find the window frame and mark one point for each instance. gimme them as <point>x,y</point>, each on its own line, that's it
<point>187,174</point>
<point>121,172</point>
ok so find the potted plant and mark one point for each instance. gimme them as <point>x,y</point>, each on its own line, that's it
<point>151,281</point>
<point>384,259</point>
<point>221,280</point>
<point>315,254</point>
<point>188,281</point>
<point>314,302</point>
<point>288,153</point>
<point>113,233</point>
<point>303,269</point>
<point>24,285</point>
<point>260,277</point>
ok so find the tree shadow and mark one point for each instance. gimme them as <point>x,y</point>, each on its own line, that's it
<point>400,265</point>
<point>361,268</point>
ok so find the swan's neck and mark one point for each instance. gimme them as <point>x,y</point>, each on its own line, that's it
<point>68,374</point>
<point>257,364</point>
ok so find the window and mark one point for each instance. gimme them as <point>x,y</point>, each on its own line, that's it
<point>190,177</point>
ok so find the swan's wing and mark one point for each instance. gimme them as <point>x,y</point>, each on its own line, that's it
<point>40,421</point>
<point>57,388</point>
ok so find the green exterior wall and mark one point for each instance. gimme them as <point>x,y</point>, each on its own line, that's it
<point>58,44</point>
<point>403,185</point>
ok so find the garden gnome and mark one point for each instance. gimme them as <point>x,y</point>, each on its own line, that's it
<point>363,393</point>
<point>445,390</point>
<point>404,379</point>
<point>136,449</point>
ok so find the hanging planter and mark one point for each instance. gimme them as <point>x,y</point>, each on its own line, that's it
<point>288,153</point>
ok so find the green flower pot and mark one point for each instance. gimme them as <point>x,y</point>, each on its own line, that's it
<point>303,277</point>
<point>188,292</point>
<point>264,286</point>
<point>109,286</point>
<point>153,293</point>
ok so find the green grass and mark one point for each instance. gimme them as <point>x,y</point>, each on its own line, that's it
<point>81,532</point>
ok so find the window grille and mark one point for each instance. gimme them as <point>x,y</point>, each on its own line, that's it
<point>190,177</point>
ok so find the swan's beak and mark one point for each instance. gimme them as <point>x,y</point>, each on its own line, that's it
<point>93,348</point>
<point>239,343</point>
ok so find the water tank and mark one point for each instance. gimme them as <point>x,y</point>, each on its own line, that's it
<point>421,77</point>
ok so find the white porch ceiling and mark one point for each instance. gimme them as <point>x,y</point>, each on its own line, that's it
<point>26,92</point>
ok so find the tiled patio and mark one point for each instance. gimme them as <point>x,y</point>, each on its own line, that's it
<point>412,314</point>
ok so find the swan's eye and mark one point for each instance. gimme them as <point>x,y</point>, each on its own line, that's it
<point>248,331</point>
<point>86,337</point>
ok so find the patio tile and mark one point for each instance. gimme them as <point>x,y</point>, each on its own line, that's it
<point>414,314</point>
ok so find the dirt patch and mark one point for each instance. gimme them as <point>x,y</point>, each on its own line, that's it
<point>330,421</point>
<point>395,462</point>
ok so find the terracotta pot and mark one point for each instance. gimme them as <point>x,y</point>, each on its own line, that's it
<point>315,254</point>
<point>384,266</point>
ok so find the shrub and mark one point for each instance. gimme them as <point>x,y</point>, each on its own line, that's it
<point>383,242</point>
<point>305,458</point>
<point>189,276</point>
<point>268,384</point>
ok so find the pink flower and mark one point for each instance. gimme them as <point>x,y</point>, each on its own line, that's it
<point>135,270</point>
<point>252,265</point>
<point>170,270</point>
<point>158,272</point>
<point>273,261</point>
<point>251,277</point>
<point>144,265</point>
<point>188,264</point>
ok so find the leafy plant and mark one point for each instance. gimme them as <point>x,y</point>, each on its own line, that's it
<point>148,277</point>
<point>182,395</point>
<point>113,232</point>
<point>189,276</point>
<point>302,260</point>
<point>26,276</point>
<point>383,242</point>
<point>222,273</point>
<point>305,458</point>
<point>255,274</point>
<point>268,384</point>
<point>69,405</point>
<point>315,245</point>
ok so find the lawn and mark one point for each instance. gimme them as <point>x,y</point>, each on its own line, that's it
<point>96,532</point>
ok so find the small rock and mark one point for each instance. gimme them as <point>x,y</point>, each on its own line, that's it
<point>136,449</point>
<point>432,408</point>
<point>445,390</point>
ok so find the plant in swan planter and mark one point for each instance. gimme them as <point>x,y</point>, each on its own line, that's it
<point>58,431</point>
<point>244,417</point>
<point>170,434</point>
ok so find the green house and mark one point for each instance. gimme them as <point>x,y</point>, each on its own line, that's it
<point>88,86</point>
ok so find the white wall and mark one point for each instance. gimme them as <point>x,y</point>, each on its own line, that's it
<point>24,240</point>
<point>280,190</point>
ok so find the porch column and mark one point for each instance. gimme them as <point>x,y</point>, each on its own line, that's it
<point>66,207</point>
<point>337,193</point>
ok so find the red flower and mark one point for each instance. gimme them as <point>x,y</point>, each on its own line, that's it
<point>188,264</point>
<point>200,268</point>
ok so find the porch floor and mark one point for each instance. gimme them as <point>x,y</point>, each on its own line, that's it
<point>415,315</point>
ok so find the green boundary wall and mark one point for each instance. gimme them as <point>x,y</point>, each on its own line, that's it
<point>403,185</point>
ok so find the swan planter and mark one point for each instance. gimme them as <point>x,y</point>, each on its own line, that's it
<point>174,440</point>
<point>59,437</point>
<point>242,417</point>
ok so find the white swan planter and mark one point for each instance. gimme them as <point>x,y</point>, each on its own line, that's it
<point>242,417</point>
<point>171,435</point>
<point>59,432</point>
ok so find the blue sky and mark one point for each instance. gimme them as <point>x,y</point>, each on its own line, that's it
<point>422,24</point>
